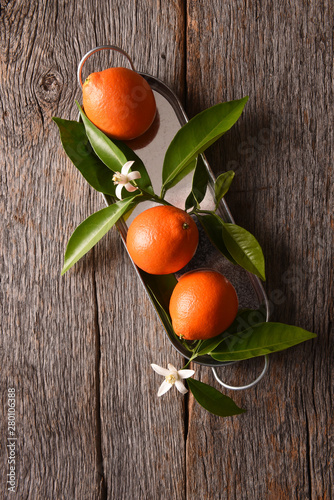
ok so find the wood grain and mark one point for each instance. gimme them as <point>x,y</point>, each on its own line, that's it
<point>281,149</point>
<point>48,332</point>
<point>111,441</point>
<point>143,437</point>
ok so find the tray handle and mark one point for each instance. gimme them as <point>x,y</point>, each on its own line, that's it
<point>97,49</point>
<point>242,387</point>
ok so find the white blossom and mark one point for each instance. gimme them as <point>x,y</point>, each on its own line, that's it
<point>172,376</point>
<point>123,178</point>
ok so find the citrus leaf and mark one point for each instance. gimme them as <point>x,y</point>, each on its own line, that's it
<point>213,226</point>
<point>91,230</point>
<point>114,154</point>
<point>105,149</point>
<point>196,136</point>
<point>212,400</point>
<point>79,150</point>
<point>199,185</point>
<point>260,339</point>
<point>244,319</point>
<point>160,288</point>
<point>244,248</point>
<point>222,185</point>
<point>188,168</point>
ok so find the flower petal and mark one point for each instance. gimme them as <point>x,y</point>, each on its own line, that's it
<point>118,191</point>
<point>181,387</point>
<point>165,386</point>
<point>186,373</point>
<point>126,167</point>
<point>129,187</point>
<point>160,370</point>
<point>134,175</point>
<point>171,368</point>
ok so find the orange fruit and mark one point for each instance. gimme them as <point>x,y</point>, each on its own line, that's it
<point>119,102</point>
<point>203,304</point>
<point>162,239</point>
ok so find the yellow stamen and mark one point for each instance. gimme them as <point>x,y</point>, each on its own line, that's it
<point>171,379</point>
<point>116,177</point>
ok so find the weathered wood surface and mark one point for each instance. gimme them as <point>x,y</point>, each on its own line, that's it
<point>143,438</point>
<point>281,55</point>
<point>78,348</point>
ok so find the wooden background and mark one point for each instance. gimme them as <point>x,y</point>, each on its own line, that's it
<point>78,349</point>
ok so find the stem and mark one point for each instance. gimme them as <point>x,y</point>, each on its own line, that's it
<point>210,212</point>
<point>189,361</point>
<point>158,199</point>
<point>195,352</point>
<point>198,345</point>
<point>154,197</point>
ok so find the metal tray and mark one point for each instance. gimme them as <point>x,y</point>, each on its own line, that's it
<point>151,148</point>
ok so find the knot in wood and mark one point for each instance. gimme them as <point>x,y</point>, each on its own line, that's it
<point>50,86</point>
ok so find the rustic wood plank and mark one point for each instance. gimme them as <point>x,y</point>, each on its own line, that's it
<point>48,341</point>
<point>143,437</point>
<point>69,458</point>
<point>83,431</point>
<point>281,56</point>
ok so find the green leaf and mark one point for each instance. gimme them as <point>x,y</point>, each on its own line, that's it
<point>213,226</point>
<point>235,243</point>
<point>244,319</point>
<point>261,339</point>
<point>105,149</point>
<point>115,154</point>
<point>79,150</point>
<point>222,185</point>
<point>164,316</point>
<point>91,230</point>
<point>196,136</point>
<point>160,288</point>
<point>244,248</point>
<point>199,185</point>
<point>212,400</point>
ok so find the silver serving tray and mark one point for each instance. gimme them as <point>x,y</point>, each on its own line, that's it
<point>151,148</point>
